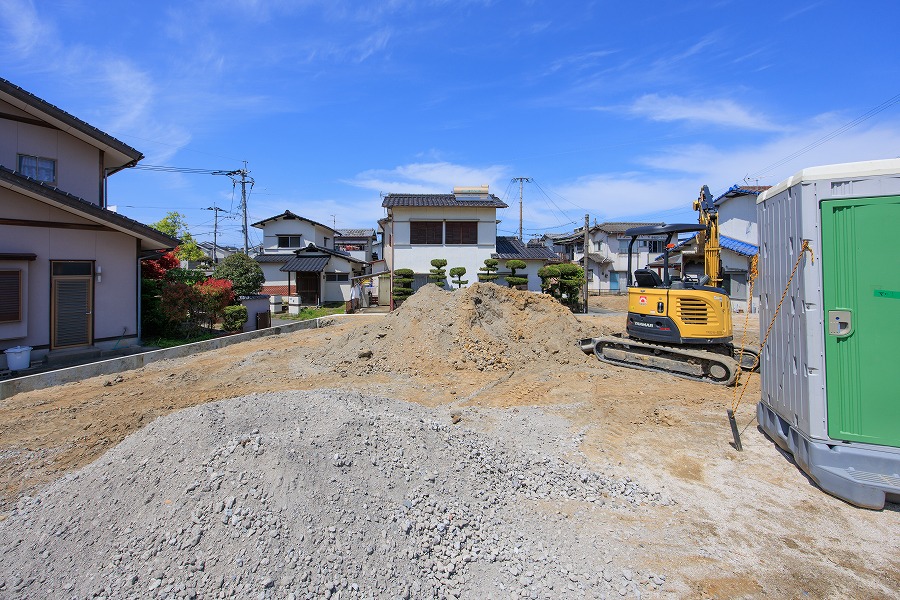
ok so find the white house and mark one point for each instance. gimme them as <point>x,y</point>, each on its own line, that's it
<point>70,272</point>
<point>298,258</point>
<point>607,255</point>
<point>283,235</point>
<point>360,243</point>
<point>460,227</point>
<point>535,257</point>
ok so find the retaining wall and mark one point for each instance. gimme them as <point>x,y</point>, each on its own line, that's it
<point>38,381</point>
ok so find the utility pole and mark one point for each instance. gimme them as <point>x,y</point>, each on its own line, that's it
<point>587,245</point>
<point>244,181</point>
<point>522,181</point>
<point>216,210</point>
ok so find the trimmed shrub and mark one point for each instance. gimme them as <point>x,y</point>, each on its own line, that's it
<point>438,275</point>
<point>516,265</point>
<point>489,270</point>
<point>402,280</point>
<point>234,317</point>
<point>456,274</point>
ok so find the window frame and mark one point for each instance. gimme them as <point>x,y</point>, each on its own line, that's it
<point>16,287</point>
<point>422,233</point>
<point>20,158</point>
<point>299,239</point>
<point>467,232</point>
<point>335,277</point>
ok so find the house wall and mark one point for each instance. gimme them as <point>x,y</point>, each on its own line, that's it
<point>737,219</point>
<point>419,257</point>
<point>115,296</point>
<point>534,282</point>
<point>78,164</point>
<point>273,274</point>
<point>310,233</point>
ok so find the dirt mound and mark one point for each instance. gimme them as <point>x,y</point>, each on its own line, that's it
<point>485,327</point>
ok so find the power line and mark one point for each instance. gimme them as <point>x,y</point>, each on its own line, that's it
<point>827,138</point>
<point>189,170</point>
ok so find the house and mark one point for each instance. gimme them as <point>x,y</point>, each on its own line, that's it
<point>739,240</point>
<point>607,255</point>
<point>360,243</point>
<point>460,227</point>
<point>70,271</point>
<point>299,260</point>
<point>511,248</point>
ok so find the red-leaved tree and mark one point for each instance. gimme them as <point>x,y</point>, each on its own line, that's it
<point>213,295</point>
<point>156,268</point>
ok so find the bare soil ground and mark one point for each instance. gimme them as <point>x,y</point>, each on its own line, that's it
<point>746,524</point>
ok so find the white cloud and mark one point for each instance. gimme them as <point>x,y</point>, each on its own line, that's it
<point>669,181</point>
<point>722,111</point>
<point>434,177</point>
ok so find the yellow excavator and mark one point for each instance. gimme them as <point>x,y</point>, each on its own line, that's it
<point>682,327</point>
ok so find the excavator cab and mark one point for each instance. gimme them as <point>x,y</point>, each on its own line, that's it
<point>674,312</point>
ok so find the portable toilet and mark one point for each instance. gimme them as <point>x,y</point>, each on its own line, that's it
<point>830,375</point>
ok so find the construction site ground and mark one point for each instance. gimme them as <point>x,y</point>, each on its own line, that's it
<point>744,524</point>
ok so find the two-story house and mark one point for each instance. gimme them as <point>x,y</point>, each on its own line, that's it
<point>359,243</point>
<point>70,270</point>
<point>299,259</point>
<point>606,262</point>
<point>460,227</point>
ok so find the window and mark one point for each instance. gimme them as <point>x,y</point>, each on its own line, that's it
<point>462,232</point>
<point>290,241</point>
<point>42,169</point>
<point>10,295</point>
<point>426,232</point>
<point>337,277</point>
<point>655,246</point>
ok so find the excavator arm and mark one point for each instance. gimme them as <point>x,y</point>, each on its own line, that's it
<point>708,241</point>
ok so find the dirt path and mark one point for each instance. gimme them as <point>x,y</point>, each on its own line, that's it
<point>745,524</point>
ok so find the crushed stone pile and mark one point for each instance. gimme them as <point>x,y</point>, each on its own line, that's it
<point>329,494</point>
<point>485,327</point>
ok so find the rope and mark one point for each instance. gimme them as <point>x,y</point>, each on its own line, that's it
<point>754,273</point>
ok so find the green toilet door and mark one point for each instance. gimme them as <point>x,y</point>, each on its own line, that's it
<point>861,289</point>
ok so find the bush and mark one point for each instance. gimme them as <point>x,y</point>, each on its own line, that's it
<point>214,296</point>
<point>234,317</point>
<point>457,273</point>
<point>514,280</point>
<point>489,270</point>
<point>438,275</point>
<point>402,280</point>
<point>244,273</point>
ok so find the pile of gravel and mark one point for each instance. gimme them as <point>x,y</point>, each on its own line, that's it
<point>328,494</point>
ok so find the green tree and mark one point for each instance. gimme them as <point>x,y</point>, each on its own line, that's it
<point>564,282</point>
<point>244,273</point>
<point>516,265</point>
<point>175,224</point>
<point>403,279</point>
<point>456,273</point>
<point>489,270</point>
<point>438,275</point>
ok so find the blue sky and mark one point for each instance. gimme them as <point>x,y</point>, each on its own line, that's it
<point>620,110</point>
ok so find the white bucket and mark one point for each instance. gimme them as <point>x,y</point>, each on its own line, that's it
<point>18,358</point>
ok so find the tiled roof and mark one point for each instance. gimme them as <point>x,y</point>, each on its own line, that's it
<point>273,258</point>
<point>306,264</point>
<point>489,201</point>
<point>58,114</point>
<point>89,210</point>
<point>738,246</point>
<point>598,258</point>
<point>357,233</point>
<point>289,216</point>
<point>509,248</point>
<point>741,190</point>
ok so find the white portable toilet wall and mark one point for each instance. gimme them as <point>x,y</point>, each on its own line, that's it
<point>830,380</point>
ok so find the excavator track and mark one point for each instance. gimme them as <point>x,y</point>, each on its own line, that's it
<point>696,365</point>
